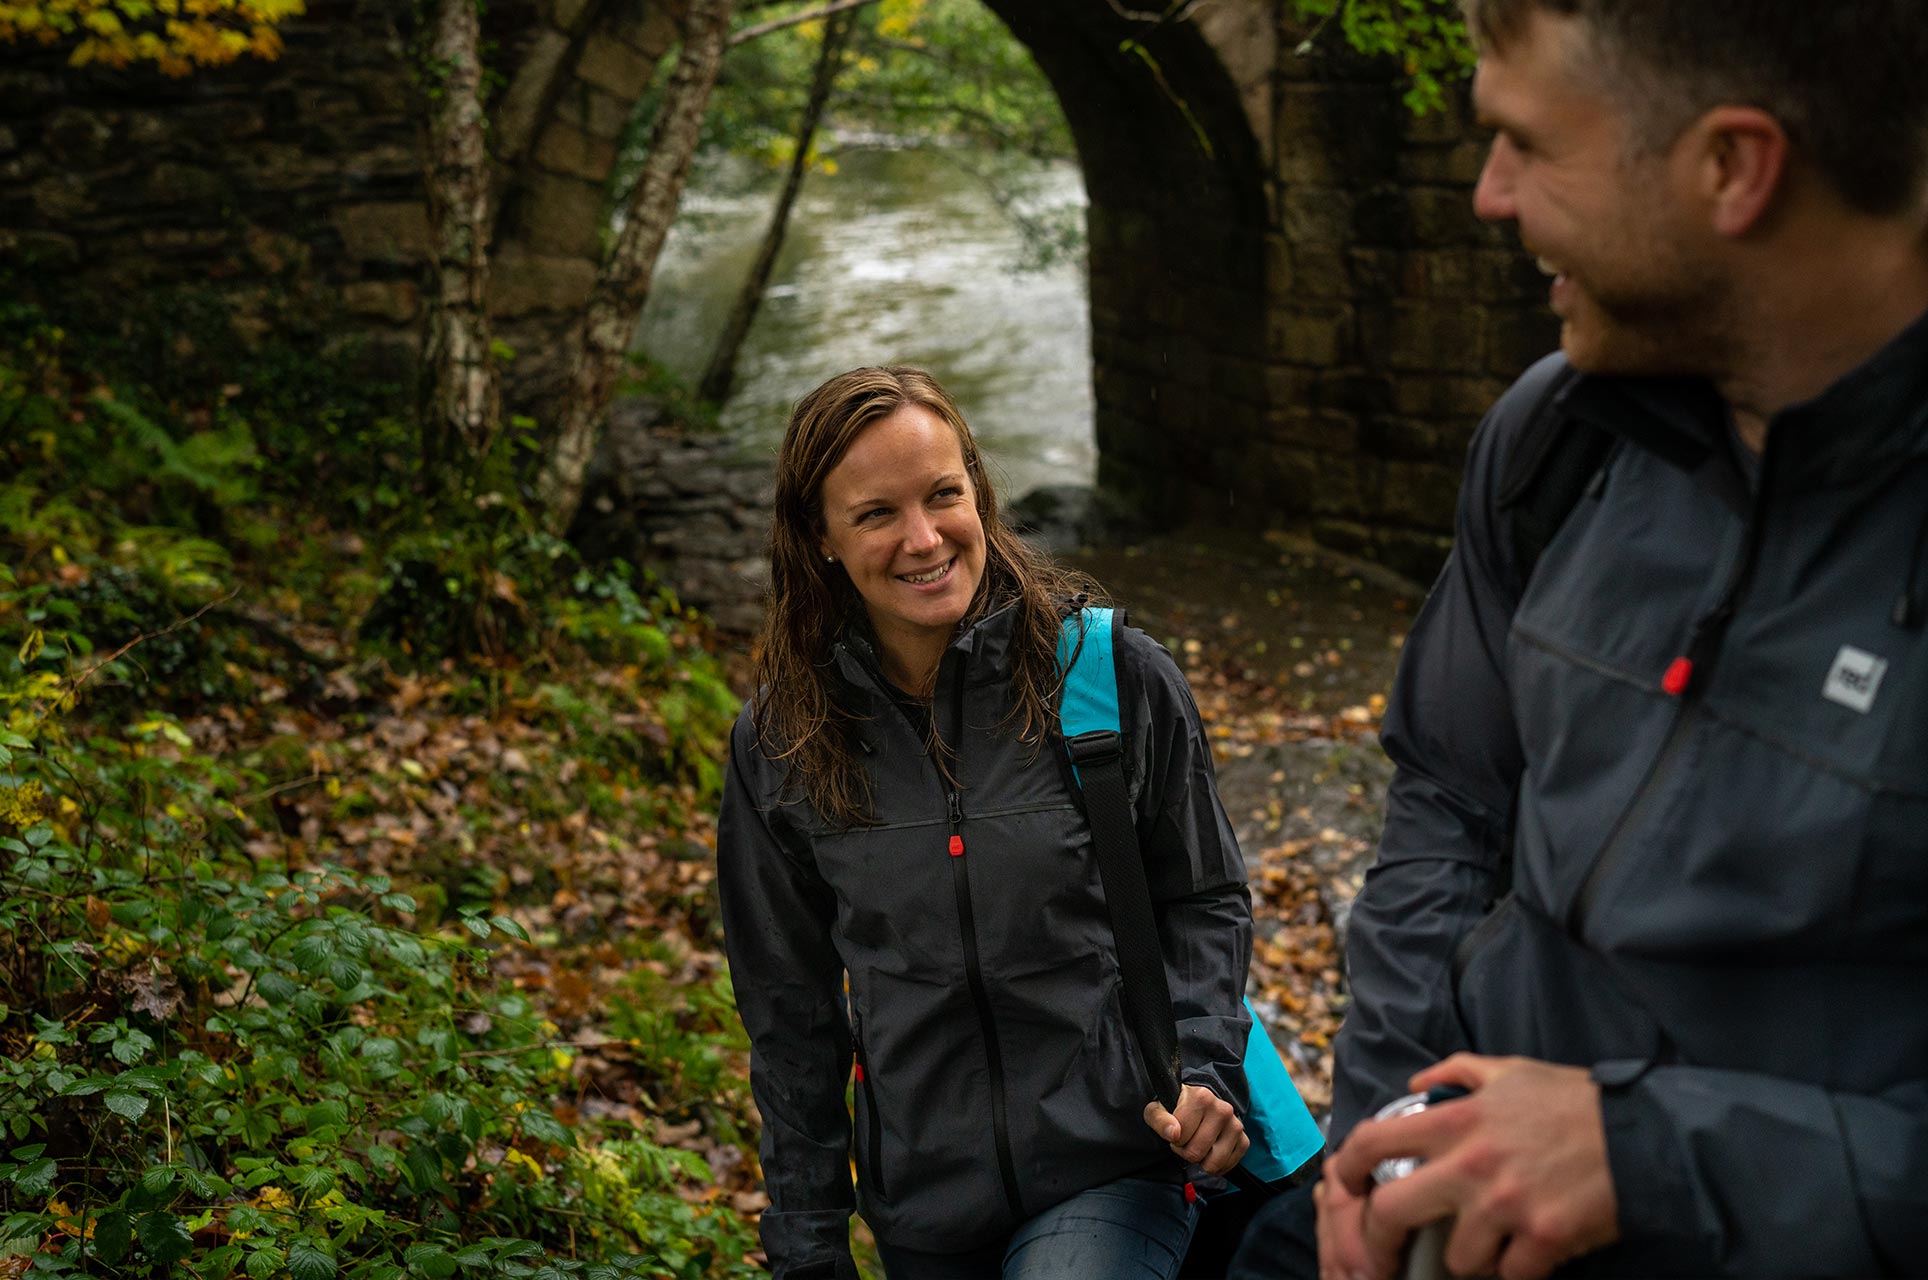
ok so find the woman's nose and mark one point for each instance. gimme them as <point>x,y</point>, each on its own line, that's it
<point>920,532</point>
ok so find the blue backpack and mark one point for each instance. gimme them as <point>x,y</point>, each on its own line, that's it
<point>1283,1133</point>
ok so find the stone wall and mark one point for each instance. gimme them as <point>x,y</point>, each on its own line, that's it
<point>1296,320</point>
<point>304,175</point>
<point>1395,317</point>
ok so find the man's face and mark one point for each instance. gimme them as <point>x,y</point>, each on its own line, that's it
<point>1634,282</point>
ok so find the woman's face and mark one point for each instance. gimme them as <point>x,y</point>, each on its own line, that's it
<point>900,516</point>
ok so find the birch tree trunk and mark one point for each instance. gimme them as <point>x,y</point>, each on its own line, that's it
<point>462,410</point>
<point>721,373</point>
<point>622,285</point>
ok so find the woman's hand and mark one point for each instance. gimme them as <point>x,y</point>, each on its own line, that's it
<point>1204,1131</point>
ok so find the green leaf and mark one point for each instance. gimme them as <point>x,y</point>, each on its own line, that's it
<point>31,647</point>
<point>312,952</point>
<point>164,1237</point>
<point>510,927</point>
<point>29,1152</point>
<point>113,1233</point>
<point>433,1260</point>
<point>476,925</point>
<point>306,1262</point>
<point>132,1046</point>
<point>36,1179</point>
<point>398,902</point>
<point>475,1255</point>
<point>126,1102</point>
<point>264,1261</point>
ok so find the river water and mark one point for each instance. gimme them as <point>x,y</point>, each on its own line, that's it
<point>898,257</point>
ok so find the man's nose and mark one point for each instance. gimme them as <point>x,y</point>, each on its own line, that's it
<point>1493,195</point>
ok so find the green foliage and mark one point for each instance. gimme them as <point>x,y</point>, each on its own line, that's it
<point>945,75</point>
<point>215,1063</point>
<point>1428,37</point>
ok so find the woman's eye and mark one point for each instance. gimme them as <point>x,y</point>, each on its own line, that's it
<point>949,491</point>
<point>873,512</point>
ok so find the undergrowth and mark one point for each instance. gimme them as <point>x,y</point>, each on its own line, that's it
<point>354,910</point>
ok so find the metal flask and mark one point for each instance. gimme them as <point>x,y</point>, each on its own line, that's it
<point>1426,1252</point>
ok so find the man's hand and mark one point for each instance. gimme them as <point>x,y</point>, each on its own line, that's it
<point>1521,1164</point>
<point>1204,1131</point>
<point>1342,1224</point>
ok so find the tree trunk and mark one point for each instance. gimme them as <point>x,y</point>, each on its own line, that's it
<point>721,373</point>
<point>462,404</point>
<point>622,286</point>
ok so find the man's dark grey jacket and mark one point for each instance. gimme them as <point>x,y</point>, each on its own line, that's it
<point>1719,896</point>
<point>997,1073</point>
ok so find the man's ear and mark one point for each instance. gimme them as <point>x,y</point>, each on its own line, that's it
<point>1742,162</point>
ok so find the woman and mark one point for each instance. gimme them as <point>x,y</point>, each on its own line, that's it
<point>898,810</point>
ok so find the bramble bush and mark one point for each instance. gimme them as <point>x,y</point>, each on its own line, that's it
<point>215,1065</point>
<point>232,1045</point>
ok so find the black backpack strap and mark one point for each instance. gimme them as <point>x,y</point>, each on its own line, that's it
<point>1098,757</point>
<point>1554,460</point>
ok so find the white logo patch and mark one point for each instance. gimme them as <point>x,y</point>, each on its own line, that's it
<point>1854,679</point>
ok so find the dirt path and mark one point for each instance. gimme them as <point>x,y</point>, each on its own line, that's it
<point>1290,654</point>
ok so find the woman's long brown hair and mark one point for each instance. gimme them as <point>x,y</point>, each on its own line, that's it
<point>798,716</point>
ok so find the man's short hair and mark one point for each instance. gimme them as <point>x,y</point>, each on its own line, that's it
<point>1847,79</point>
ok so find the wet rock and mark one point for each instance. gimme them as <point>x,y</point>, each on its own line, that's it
<point>686,505</point>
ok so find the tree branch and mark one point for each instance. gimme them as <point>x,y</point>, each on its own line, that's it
<point>794,20</point>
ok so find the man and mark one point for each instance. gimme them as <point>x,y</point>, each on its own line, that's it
<point>1684,742</point>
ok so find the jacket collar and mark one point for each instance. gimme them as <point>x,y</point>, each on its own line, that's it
<point>1875,418</point>
<point>984,646</point>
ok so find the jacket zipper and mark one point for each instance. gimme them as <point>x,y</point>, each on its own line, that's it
<point>1686,680</point>
<point>973,972</point>
<point>873,1127</point>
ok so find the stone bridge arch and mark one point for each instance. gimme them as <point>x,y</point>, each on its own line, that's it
<point>1295,318</point>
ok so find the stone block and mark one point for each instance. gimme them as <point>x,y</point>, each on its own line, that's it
<point>1382,217</point>
<point>523,283</point>
<point>1320,272</point>
<point>1451,122</point>
<point>1457,164</point>
<point>169,183</point>
<point>1419,493</point>
<point>1426,337</point>
<point>1401,439</point>
<point>62,197</point>
<point>595,111</point>
<point>1517,336</point>
<point>1317,338</point>
<point>390,231</point>
<point>1313,430</point>
<point>564,216</point>
<point>646,28</point>
<point>1445,396</point>
<point>566,15</point>
<point>47,248</point>
<point>610,63</point>
<point>1443,217</point>
<point>516,120</point>
<point>393,300</point>
<point>566,149</point>
<point>76,137</point>
<point>1317,216</point>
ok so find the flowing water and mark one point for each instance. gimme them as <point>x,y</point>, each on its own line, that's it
<point>898,257</point>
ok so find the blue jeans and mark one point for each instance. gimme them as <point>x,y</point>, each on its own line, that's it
<point>1131,1229</point>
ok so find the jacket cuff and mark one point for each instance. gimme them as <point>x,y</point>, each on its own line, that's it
<point>1660,1213</point>
<point>809,1244</point>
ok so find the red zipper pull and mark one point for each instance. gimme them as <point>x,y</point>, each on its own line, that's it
<point>860,1073</point>
<point>957,846</point>
<point>1680,674</point>
<point>1191,1194</point>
